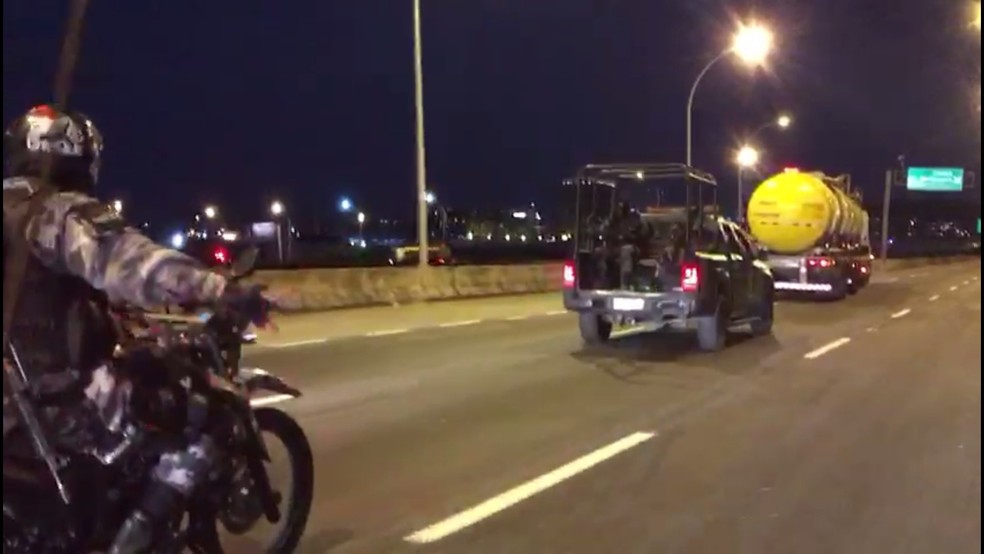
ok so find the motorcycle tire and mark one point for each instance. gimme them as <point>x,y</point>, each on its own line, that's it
<point>297,504</point>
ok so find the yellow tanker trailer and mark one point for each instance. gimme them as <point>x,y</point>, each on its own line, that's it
<point>815,232</point>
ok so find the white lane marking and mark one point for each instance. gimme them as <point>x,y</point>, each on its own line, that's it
<point>387,332</point>
<point>471,516</point>
<point>827,348</point>
<point>891,280</point>
<point>934,298</point>
<point>556,312</point>
<point>517,318</point>
<point>966,282</point>
<point>268,400</point>
<point>871,329</point>
<point>953,288</point>
<point>308,342</point>
<point>901,313</point>
<point>460,323</point>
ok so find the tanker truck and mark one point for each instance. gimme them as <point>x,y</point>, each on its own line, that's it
<point>814,231</point>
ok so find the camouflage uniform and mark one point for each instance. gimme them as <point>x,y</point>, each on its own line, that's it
<point>77,235</point>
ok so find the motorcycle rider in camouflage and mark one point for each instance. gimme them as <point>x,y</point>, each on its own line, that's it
<point>80,256</point>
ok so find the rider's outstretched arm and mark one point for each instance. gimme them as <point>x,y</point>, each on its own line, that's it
<point>82,236</point>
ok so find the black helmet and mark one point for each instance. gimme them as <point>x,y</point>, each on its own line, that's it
<point>66,140</point>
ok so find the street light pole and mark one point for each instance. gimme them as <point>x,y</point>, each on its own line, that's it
<point>751,44</point>
<point>741,194</point>
<point>690,104</point>
<point>418,73</point>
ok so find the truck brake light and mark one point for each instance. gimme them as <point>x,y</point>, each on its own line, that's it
<point>689,277</point>
<point>569,275</point>
<point>821,262</point>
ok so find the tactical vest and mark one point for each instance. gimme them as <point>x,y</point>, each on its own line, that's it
<point>60,327</point>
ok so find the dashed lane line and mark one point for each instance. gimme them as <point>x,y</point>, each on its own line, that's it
<point>514,496</point>
<point>830,346</point>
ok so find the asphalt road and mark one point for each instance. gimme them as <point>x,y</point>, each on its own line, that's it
<point>855,428</point>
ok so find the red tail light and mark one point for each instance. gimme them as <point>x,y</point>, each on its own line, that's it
<point>569,275</point>
<point>821,262</point>
<point>221,255</point>
<point>689,277</point>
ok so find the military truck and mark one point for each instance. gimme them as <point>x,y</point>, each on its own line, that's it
<point>651,249</point>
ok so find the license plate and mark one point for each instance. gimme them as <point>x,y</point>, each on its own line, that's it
<point>628,304</point>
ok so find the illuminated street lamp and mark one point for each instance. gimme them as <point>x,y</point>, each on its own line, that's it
<point>345,205</point>
<point>430,197</point>
<point>751,44</point>
<point>277,210</point>
<point>361,218</point>
<point>211,212</point>
<point>783,122</point>
<point>747,158</point>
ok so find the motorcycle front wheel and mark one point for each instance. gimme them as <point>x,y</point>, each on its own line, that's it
<point>295,505</point>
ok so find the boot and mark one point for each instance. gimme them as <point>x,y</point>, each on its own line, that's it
<point>160,504</point>
<point>136,535</point>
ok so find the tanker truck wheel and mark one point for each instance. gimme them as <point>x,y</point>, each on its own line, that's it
<point>839,288</point>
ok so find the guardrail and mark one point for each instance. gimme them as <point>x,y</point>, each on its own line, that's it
<point>327,289</point>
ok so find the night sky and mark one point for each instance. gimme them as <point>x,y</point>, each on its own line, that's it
<point>309,100</point>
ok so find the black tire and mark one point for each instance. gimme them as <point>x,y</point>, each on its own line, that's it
<point>765,315</point>
<point>712,329</point>
<point>839,289</point>
<point>594,329</point>
<point>298,502</point>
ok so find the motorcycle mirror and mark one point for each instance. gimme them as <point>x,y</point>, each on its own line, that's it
<point>245,263</point>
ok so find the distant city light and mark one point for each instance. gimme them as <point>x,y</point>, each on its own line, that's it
<point>784,121</point>
<point>211,212</point>
<point>519,215</point>
<point>277,208</point>
<point>430,197</point>
<point>118,206</point>
<point>345,205</point>
<point>178,241</point>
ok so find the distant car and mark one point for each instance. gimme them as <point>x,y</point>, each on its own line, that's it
<point>686,269</point>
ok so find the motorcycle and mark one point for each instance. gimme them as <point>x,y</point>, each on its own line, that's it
<point>188,379</point>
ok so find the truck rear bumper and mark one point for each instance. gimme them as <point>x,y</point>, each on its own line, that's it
<point>671,308</point>
<point>795,286</point>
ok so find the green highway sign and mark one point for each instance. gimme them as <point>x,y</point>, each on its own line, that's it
<point>935,179</point>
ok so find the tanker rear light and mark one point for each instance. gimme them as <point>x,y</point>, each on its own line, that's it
<point>822,263</point>
<point>791,170</point>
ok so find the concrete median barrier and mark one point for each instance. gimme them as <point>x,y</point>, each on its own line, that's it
<point>326,289</point>
<point>314,290</point>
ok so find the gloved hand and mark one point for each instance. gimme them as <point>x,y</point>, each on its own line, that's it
<point>248,302</point>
